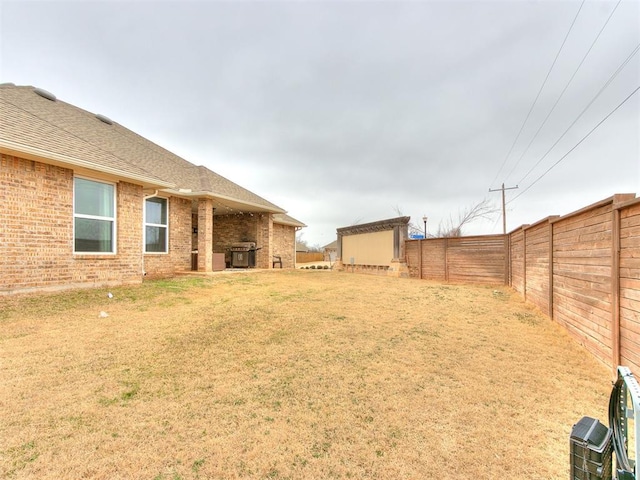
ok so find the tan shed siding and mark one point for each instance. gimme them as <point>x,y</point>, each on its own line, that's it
<point>537,265</point>
<point>368,248</point>
<point>517,261</point>
<point>36,228</point>
<point>582,278</point>
<point>178,259</point>
<point>630,287</point>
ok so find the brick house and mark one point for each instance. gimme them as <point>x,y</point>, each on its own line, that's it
<point>330,251</point>
<point>87,202</point>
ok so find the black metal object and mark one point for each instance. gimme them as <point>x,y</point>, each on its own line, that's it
<point>591,450</point>
<point>623,408</point>
<point>243,255</point>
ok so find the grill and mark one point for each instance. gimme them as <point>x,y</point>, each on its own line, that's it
<point>243,255</point>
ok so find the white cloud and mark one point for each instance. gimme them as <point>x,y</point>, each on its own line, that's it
<point>343,111</point>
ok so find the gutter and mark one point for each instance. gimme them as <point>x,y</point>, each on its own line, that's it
<point>298,226</point>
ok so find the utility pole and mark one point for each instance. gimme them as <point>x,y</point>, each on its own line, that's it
<point>504,204</point>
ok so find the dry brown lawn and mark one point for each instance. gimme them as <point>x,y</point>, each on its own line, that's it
<point>289,375</point>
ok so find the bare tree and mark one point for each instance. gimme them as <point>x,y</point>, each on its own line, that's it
<point>453,228</point>
<point>301,242</point>
<point>414,229</point>
<point>450,227</point>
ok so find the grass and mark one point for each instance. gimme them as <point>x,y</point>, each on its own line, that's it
<point>289,375</point>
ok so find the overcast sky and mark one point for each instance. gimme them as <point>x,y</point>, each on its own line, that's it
<point>348,112</point>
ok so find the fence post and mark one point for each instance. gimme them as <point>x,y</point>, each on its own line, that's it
<point>420,259</point>
<point>524,263</point>
<point>550,293</point>
<point>507,259</point>
<point>615,288</point>
<point>446,259</point>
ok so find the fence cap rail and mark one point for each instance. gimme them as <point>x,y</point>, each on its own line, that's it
<point>549,219</point>
<point>463,237</point>
<point>614,200</point>
<point>627,204</point>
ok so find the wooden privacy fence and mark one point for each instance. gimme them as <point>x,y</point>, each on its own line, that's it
<point>306,257</point>
<point>582,270</point>
<point>481,259</point>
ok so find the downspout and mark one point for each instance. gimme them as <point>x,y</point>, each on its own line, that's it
<point>144,199</point>
<point>295,235</point>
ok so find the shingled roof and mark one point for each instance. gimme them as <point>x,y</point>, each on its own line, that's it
<point>284,219</point>
<point>35,124</point>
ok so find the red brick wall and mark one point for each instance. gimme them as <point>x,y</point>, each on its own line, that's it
<point>180,243</point>
<point>205,234</point>
<point>228,229</point>
<point>256,227</point>
<point>284,244</point>
<point>36,232</point>
<point>126,265</point>
<point>35,224</point>
<point>264,256</point>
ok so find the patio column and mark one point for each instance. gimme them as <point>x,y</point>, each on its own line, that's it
<point>205,235</point>
<point>264,240</point>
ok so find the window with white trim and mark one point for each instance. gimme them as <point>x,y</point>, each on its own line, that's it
<point>94,216</point>
<point>156,231</point>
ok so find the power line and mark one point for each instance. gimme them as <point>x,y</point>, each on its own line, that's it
<point>504,209</point>
<point>495,223</point>
<point>564,89</point>
<point>602,89</point>
<point>539,92</point>
<point>576,145</point>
